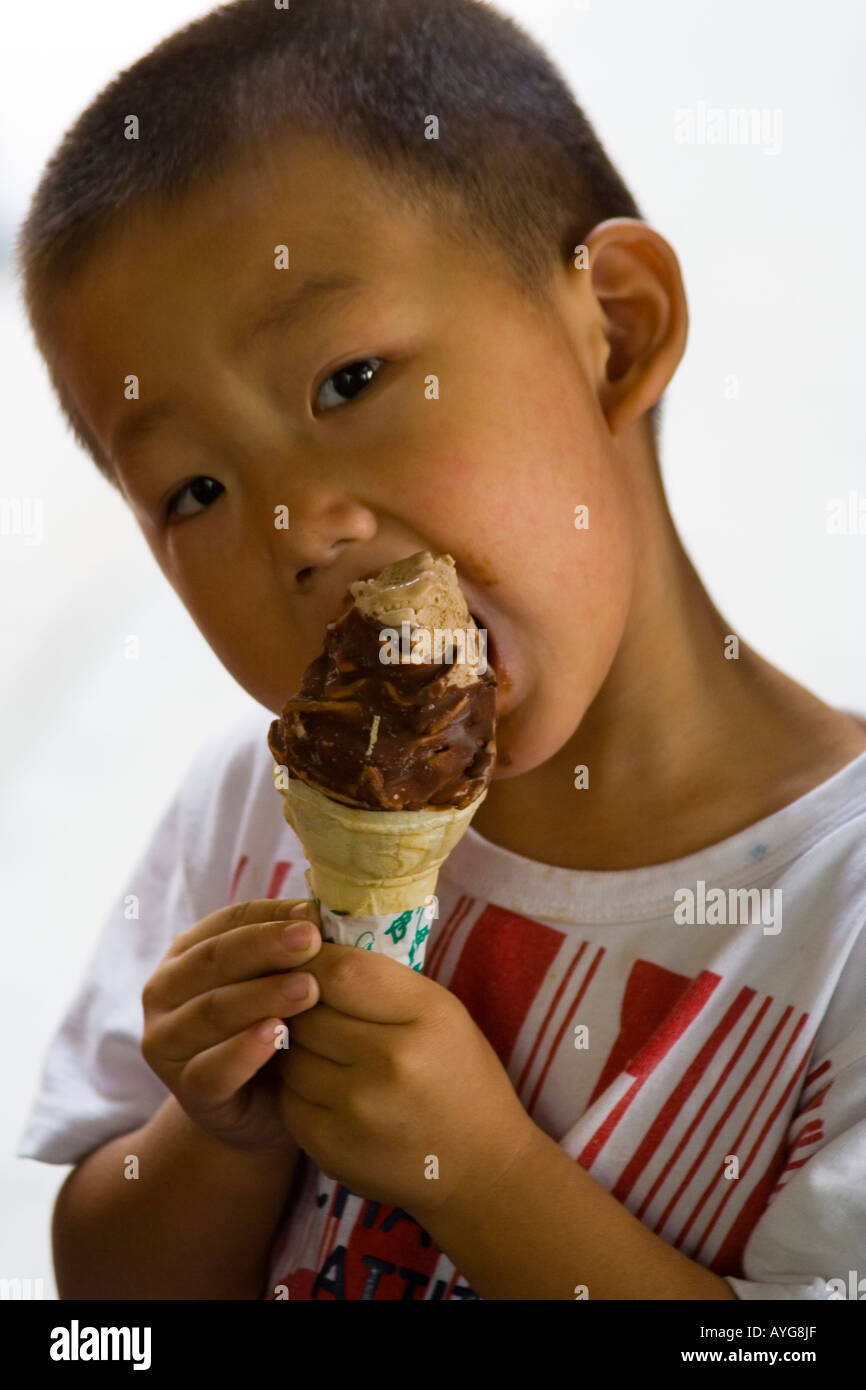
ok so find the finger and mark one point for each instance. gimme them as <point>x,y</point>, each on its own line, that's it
<point>211,1018</point>
<point>337,1037</point>
<point>241,915</point>
<point>368,985</point>
<point>308,1124</point>
<point>312,1078</point>
<point>244,953</point>
<point>212,1077</point>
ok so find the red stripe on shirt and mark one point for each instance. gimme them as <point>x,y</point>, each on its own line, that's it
<point>439,945</point>
<point>548,1016</point>
<point>773,1172</point>
<point>650,994</point>
<point>729,1256</point>
<point>814,1129</point>
<point>278,877</point>
<point>587,980</point>
<point>741,1047</point>
<point>816,1101</point>
<point>502,963</point>
<point>654,1051</point>
<point>678,1097</point>
<point>819,1071</point>
<point>734,1101</point>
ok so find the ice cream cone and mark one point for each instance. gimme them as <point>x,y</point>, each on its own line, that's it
<point>366,862</point>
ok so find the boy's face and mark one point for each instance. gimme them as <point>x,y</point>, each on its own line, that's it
<point>491,471</point>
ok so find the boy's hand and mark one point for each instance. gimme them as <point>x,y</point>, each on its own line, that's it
<point>212,1016</point>
<point>389,1075</point>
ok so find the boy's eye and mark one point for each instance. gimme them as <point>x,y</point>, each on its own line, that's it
<point>348,382</point>
<point>201,492</point>
<point>340,387</point>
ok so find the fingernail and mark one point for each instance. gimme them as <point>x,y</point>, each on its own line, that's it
<point>298,938</point>
<point>303,910</point>
<point>297,987</point>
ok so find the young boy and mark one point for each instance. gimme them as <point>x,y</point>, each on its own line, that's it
<point>369,263</point>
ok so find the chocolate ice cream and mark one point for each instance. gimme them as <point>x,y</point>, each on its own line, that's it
<point>398,734</point>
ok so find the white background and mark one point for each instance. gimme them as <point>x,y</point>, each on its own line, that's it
<point>771,247</point>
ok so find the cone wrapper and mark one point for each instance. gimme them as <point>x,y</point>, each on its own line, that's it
<point>373,873</point>
<point>400,935</point>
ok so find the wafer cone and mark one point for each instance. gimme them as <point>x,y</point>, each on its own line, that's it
<point>369,862</point>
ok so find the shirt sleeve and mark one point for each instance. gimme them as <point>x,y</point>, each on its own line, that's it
<point>95,1083</point>
<point>810,1242</point>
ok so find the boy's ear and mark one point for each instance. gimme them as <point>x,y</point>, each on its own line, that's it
<point>637,282</point>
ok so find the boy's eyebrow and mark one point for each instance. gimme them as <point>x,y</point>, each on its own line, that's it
<point>135,427</point>
<point>314,289</point>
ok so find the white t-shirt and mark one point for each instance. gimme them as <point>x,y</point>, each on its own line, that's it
<point>711,1074</point>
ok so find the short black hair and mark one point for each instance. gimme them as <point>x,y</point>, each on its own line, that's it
<point>517,168</point>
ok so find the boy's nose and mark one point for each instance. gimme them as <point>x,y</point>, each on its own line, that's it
<point>323,560</point>
<point>319,530</point>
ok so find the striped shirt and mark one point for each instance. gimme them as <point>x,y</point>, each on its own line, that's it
<point>693,1034</point>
